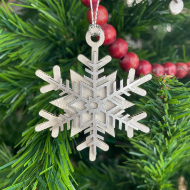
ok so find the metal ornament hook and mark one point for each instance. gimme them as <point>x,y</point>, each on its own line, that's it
<point>92,26</point>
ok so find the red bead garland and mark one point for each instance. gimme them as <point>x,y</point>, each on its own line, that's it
<point>144,68</point>
<point>118,49</point>
<point>130,60</point>
<point>188,69</point>
<point>110,34</point>
<point>181,70</point>
<point>158,69</point>
<point>86,3</point>
<point>170,68</point>
<point>102,16</point>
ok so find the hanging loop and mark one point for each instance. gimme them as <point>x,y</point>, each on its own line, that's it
<point>95,26</point>
<point>100,41</point>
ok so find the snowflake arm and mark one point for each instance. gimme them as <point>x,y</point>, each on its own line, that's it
<point>104,61</point>
<point>115,113</point>
<point>54,83</point>
<point>53,123</point>
<point>132,85</point>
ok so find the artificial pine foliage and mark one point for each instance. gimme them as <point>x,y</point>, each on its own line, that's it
<point>160,155</point>
<point>50,32</point>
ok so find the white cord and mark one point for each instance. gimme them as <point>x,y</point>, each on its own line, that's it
<point>94,20</point>
<point>96,13</point>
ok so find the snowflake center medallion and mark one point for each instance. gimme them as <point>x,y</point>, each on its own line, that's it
<point>93,104</point>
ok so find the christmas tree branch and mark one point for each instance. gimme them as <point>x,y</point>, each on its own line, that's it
<point>5,157</point>
<point>160,155</point>
<point>42,162</point>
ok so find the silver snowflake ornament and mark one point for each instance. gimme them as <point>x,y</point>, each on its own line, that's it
<point>92,104</point>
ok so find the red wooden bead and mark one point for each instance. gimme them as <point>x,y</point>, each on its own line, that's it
<point>144,68</point>
<point>110,34</point>
<point>118,49</point>
<point>169,68</point>
<point>102,16</point>
<point>130,60</point>
<point>181,70</point>
<point>188,69</point>
<point>158,69</point>
<point>86,3</point>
